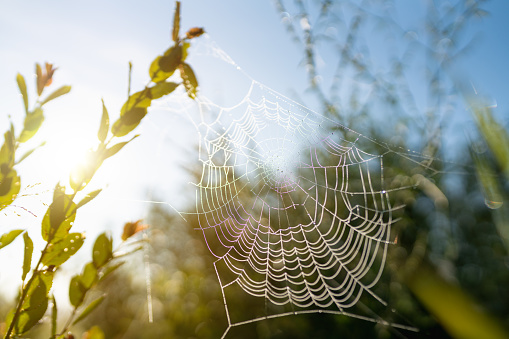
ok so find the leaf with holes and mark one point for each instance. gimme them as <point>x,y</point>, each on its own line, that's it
<point>59,252</point>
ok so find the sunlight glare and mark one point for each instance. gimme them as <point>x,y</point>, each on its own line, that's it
<point>66,150</point>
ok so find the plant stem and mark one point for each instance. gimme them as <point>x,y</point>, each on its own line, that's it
<point>29,283</point>
<point>68,322</point>
<point>24,294</point>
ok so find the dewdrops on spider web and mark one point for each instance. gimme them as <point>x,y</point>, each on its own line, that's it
<point>294,206</point>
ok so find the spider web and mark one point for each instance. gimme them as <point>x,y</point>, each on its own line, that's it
<point>293,205</point>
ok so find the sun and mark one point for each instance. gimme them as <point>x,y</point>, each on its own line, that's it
<point>64,150</point>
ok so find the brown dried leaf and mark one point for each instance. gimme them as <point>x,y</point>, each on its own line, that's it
<point>131,228</point>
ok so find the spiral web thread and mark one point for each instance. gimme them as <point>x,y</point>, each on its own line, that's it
<point>293,205</point>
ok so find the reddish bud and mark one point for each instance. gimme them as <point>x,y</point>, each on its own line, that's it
<point>194,32</point>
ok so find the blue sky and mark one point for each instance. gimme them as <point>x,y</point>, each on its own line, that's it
<point>92,42</point>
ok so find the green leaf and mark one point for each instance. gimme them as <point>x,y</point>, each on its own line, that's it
<point>495,135</point>
<point>31,316</point>
<point>452,306</point>
<point>133,110</point>
<point>171,59</point>
<point>40,83</point>
<point>89,275</point>
<point>102,251</point>
<point>54,316</point>
<point>61,91</point>
<point>131,251</point>
<point>7,150</point>
<point>59,252</point>
<point>36,302</point>
<point>190,81</point>
<point>117,147</point>
<point>185,47</point>
<point>32,123</point>
<point>88,198</point>
<point>27,258</point>
<point>29,152</point>
<point>10,186</point>
<point>23,89</point>
<point>139,99</point>
<point>121,129</point>
<point>105,125</point>
<point>76,291</point>
<point>92,306</point>
<point>81,175</point>
<point>155,72</point>
<point>7,238</point>
<point>58,192</point>
<point>59,217</point>
<point>164,66</point>
<point>176,22</point>
<point>133,116</point>
<point>162,88</point>
<point>129,79</point>
<point>110,269</point>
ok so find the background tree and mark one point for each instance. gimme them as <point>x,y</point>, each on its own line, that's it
<point>444,236</point>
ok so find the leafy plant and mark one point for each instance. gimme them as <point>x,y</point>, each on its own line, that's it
<point>60,244</point>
